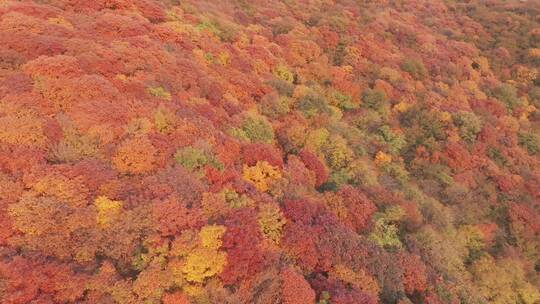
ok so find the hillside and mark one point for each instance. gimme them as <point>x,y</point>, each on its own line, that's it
<point>267,152</point>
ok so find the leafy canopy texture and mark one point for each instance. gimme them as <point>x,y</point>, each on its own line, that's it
<point>269,152</point>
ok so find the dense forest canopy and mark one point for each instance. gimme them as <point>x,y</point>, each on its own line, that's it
<point>270,151</point>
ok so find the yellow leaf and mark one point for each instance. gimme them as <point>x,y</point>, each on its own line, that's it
<point>382,158</point>
<point>210,236</point>
<point>261,175</point>
<point>108,210</point>
<point>203,263</point>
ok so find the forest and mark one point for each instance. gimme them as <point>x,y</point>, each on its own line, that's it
<point>270,151</point>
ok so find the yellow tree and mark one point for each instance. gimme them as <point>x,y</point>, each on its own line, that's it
<point>262,175</point>
<point>205,260</point>
<point>271,222</point>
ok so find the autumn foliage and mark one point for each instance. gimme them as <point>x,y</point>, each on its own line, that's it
<point>266,152</point>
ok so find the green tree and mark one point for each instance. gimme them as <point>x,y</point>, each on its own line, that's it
<point>195,159</point>
<point>394,140</point>
<point>469,125</point>
<point>312,104</point>
<point>508,95</point>
<point>415,68</point>
<point>374,99</point>
<point>530,141</point>
<point>257,129</point>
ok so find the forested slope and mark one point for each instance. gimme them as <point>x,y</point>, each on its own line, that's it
<point>250,151</point>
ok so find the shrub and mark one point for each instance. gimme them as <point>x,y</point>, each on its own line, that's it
<point>262,175</point>
<point>271,222</point>
<point>159,92</point>
<point>206,260</point>
<point>274,106</point>
<point>398,172</point>
<point>394,141</point>
<point>107,210</point>
<point>225,32</point>
<point>382,158</point>
<point>281,86</point>
<point>374,99</point>
<point>369,122</point>
<point>429,123</point>
<point>531,142</point>
<point>316,139</point>
<point>469,125</point>
<point>257,129</point>
<point>534,96</point>
<point>495,154</point>
<point>363,172</point>
<point>312,104</point>
<point>343,101</point>
<point>415,68</point>
<point>194,159</point>
<point>312,162</point>
<point>284,74</point>
<point>134,156</point>
<point>337,152</point>
<point>252,153</point>
<point>164,120</point>
<point>339,53</point>
<point>235,200</point>
<point>238,134</point>
<point>386,231</point>
<point>282,27</point>
<point>295,289</point>
<point>336,180</point>
<point>508,95</point>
